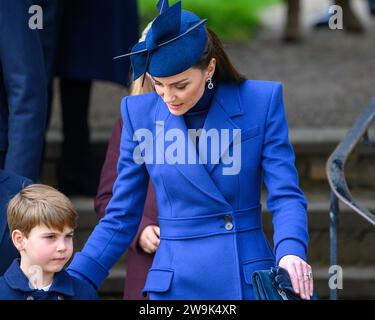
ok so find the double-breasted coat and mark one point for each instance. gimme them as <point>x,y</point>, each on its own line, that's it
<point>210,223</point>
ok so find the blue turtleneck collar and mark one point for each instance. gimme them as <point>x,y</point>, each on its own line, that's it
<point>196,116</point>
<point>205,101</point>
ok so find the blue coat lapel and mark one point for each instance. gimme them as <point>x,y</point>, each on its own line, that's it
<point>195,173</point>
<point>226,105</point>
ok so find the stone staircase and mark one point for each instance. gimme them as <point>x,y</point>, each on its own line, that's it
<point>312,147</point>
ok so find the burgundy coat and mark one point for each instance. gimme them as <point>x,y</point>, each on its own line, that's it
<point>138,262</point>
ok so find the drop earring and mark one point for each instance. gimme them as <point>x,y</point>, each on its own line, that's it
<point>210,85</point>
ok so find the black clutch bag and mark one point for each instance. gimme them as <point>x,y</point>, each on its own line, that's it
<point>273,284</point>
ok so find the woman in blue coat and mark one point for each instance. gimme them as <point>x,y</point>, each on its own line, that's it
<point>207,138</point>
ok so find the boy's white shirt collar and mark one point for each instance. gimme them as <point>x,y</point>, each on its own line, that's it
<point>46,288</point>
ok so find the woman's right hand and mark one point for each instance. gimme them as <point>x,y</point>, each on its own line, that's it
<point>149,239</point>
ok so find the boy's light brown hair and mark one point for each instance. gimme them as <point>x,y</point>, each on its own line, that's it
<point>39,204</point>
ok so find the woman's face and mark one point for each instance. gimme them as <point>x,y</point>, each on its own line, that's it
<point>182,91</point>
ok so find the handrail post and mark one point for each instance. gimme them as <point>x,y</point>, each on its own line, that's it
<point>333,225</point>
<point>337,181</point>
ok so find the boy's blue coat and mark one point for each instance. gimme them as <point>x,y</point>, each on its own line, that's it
<point>200,255</point>
<point>14,285</point>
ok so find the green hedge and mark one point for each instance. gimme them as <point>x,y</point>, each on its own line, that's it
<point>232,20</point>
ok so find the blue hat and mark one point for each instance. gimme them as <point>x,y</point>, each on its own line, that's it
<point>174,43</point>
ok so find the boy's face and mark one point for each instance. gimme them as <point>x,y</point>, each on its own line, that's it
<point>47,248</point>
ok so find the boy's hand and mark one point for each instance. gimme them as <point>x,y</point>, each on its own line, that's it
<point>149,239</point>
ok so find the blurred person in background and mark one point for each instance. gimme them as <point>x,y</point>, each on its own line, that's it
<point>80,39</point>
<point>23,95</point>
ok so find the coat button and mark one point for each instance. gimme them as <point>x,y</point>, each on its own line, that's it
<point>229,226</point>
<point>228,218</point>
<point>60,297</point>
<point>30,298</point>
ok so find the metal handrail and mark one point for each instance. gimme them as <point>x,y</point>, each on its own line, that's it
<point>337,182</point>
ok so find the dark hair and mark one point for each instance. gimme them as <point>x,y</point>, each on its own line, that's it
<point>225,71</point>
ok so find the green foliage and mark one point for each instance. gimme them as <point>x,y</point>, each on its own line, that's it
<point>232,20</point>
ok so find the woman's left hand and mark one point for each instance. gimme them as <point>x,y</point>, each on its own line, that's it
<point>300,275</point>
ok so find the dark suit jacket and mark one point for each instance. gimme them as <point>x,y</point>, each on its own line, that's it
<point>10,184</point>
<point>138,262</point>
<point>23,94</point>
<point>92,33</point>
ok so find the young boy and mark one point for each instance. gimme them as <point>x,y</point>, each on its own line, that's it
<point>41,222</point>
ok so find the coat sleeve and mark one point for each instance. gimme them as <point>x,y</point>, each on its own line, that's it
<point>149,217</point>
<point>23,71</point>
<point>107,179</point>
<point>285,200</point>
<point>109,171</point>
<point>114,233</point>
